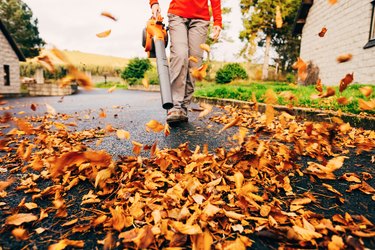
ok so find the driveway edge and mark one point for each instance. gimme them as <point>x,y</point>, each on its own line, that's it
<point>358,121</point>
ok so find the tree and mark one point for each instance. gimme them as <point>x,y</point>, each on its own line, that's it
<point>259,21</point>
<point>18,18</point>
<point>136,70</point>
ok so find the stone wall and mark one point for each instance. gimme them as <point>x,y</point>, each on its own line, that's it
<point>48,89</point>
<point>9,57</point>
<point>348,28</point>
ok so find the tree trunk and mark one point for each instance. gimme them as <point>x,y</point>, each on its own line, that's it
<point>266,58</point>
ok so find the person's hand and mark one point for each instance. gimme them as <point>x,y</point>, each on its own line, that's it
<point>216,32</point>
<point>155,10</point>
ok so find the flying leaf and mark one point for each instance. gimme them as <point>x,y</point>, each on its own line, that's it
<point>193,59</point>
<point>33,107</point>
<point>279,19</point>
<point>146,82</point>
<point>200,73</point>
<point>104,34</point>
<point>51,110</point>
<point>111,89</point>
<point>330,92</point>
<point>137,147</point>
<point>344,58</point>
<point>332,1</point>
<point>18,219</point>
<point>46,62</point>
<point>207,108</point>
<point>102,114</point>
<point>322,32</point>
<point>167,130</point>
<point>82,79</point>
<point>155,126</point>
<point>109,15</point>
<point>205,47</point>
<point>366,91</point>
<point>122,134</point>
<point>302,68</point>
<point>234,122</point>
<point>346,81</point>
<point>270,97</point>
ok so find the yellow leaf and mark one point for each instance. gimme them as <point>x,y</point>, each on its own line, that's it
<point>154,126</point>
<point>202,241</point>
<point>102,176</point>
<point>205,47</point>
<point>186,229</point>
<point>122,134</point>
<point>193,59</point>
<point>234,122</point>
<point>279,19</point>
<point>104,34</point>
<point>18,219</point>
<point>110,90</point>
<point>200,73</point>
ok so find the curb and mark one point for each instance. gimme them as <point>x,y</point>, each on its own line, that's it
<point>357,121</point>
<point>152,88</point>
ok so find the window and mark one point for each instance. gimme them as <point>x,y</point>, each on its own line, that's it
<point>371,41</point>
<point>6,75</point>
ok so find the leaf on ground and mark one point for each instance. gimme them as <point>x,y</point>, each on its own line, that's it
<point>122,134</point>
<point>18,219</point>
<point>20,234</point>
<point>62,244</point>
<point>366,105</point>
<point>234,122</point>
<point>154,126</point>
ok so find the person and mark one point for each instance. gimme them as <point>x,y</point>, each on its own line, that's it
<point>188,29</point>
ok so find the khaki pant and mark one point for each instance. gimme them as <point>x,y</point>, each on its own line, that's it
<point>186,37</point>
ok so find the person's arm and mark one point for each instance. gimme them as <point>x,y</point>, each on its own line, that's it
<point>155,8</point>
<point>216,13</point>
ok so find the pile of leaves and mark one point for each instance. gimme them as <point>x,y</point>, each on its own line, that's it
<point>178,198</point>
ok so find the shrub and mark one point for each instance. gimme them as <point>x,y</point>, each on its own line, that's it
<point>136,70</point>
<point>230,72</point>
<point>152,76</point>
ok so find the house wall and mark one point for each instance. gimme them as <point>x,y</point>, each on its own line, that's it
<point>9,57</point>
<point>348,27</point>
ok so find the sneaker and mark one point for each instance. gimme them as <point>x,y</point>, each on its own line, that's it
<point>176,116</point>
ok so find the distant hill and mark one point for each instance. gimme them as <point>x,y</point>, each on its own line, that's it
<point>78,58</point>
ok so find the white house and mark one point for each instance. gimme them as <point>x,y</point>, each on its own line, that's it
<point>350,28</point>
<point>10,57</point>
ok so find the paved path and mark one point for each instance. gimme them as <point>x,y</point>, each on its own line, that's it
<point>128,110</point>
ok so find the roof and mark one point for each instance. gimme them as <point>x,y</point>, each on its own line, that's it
<point>303,11</point>
<point>11,41</point>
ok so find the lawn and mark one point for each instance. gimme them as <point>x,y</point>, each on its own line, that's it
<point>303,94</point>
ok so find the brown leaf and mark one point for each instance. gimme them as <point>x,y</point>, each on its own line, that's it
<point>302,68</point>
<point>46,62</point>
<point>118,218</point>
<point>234,122</point>
<point>348,79</point>
<point>366,91</point>
<point>111,89</point>
<point>279,19</point>
<point>330,92</point>
<point>155,126</point>
<point>104,34</point>
<point>332,189</point>
<point>319,86</point>
<point>7,183</point>
<point>62,244</point>
<point>167,130</point>
<point>344,58</point>
<point>336,243</point>
<point>323,32</point>
<point>18,219</point>
<point>342,100</point>
<point>270,114</point>
<point>306,234</point>
<point>109,15</point>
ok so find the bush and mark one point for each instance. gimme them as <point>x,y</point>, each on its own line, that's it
<point>136,70</point>
<point>230,72</point>
<point>152,76</point>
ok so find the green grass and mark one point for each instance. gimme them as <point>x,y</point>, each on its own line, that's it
<point>108,85</point>
<point>243,91</point>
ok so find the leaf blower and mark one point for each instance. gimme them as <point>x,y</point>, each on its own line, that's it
<point>155,40</point>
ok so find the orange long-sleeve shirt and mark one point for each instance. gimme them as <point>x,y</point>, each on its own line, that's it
<point>195,9</point>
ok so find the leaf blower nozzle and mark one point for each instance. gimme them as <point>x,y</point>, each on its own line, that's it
<point>155,40</point>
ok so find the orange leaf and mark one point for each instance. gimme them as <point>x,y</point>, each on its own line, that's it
<point>110,90</point>
<point>202,241</point>
<point>270,97</point>
<point>146,82</point>
<point>207,108</point>
<point>102,114</point>
<point>104,34</point>
<point>62,244</point>
<point>20,234</point>
<point>200,73</point>
<point>366,91</point>
<point>346,81</point>
<point>322,32</point>
<point>366,105</point>
<point>279,19</point>
<point>330,92</point>
<point>154,126</point>
<point>344,58</point>
<point>82,79</point>
<point>319,86</point>
<point>18,219</point>
<point>109,15</point>
<point>5,184</point>
<point>167,131</point>
<point>193,59</point>
<point>342,100</point>
<point>46,62</point>
<point>185,228</point>
<point>234,122</point>
<point>332,1</point>
<point>270,114</point>
<point>336,243</point>
<point>137,147</point>
<point>302,68</point>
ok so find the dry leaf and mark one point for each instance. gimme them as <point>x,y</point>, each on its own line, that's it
<point>302,68</point>
<point>279,19</point>
<point>193,59</point>
<point>137,147</point>
<point>122,134</point>
<point>62,244</point>
<point>111,89</point>
<point>319,86</point>
<point>346,81</point>
<point>342,100</point>
<point>104,34</point>
<point>344,58</point>
<point>231,124</point>
<point>155,126</point>
<point>18,219</point>
<point>330,92</point>
<point>322,32</point>
<point>20,233</point>
<point>109,15</point>
<point>332,1</point>
<point>146,82</point>
<point>366,91</point>
<point>205,47</point>
<point>207,108</point>
<point>366,105</point>
<point>185,228</point>
<point>46,62</point>
<point>200,73</point>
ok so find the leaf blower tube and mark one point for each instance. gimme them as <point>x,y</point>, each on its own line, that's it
<point>155,40</point>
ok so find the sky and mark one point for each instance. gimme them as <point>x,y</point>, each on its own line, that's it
<point>73,25</point>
